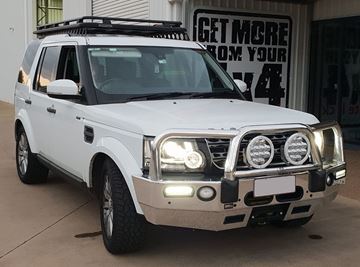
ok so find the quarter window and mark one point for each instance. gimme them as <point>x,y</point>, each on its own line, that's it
<point>28,61</point>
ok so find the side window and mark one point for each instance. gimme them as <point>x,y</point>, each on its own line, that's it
<point>48,68</point>
<point>28,60</point>
<point>68,65</point>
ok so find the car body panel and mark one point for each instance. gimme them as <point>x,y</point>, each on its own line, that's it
<point>119,131</point>
<point>194,114</point>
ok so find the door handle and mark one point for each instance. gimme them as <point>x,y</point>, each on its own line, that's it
<point>28,101</point>
<point>51,110</point>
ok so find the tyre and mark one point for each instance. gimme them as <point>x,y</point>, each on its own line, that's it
<point>294,223</point>
<point>123,229</point>
<point>29,169</point>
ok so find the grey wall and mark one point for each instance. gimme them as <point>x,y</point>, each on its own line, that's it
<point>15,30</point>
<point>76,8</point>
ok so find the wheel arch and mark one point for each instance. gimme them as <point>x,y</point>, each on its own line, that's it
<point>110,148</point>
<point>18,126</point>
<point>23,120</point>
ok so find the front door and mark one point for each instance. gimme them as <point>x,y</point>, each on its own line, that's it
<point>66,132</point>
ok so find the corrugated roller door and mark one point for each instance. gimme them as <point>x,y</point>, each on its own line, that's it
<point>139,9</point>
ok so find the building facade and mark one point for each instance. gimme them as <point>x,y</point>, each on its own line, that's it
<point>302,54</point>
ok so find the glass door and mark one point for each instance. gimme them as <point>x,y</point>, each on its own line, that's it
<point>335,74</point>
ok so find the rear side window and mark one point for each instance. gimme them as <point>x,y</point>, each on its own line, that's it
<point>28,60</point>
<point>48,69</point>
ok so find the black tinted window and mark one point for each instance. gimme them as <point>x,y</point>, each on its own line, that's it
<point>28,61</point>
<point>47,72</point>
<point>68,66</point>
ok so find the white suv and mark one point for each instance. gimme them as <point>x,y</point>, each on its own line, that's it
<point>160,132</point>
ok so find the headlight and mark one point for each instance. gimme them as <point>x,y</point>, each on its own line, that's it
<point>328,139</point>
<point>260,152</point>
<point>297,149</point>
<point>181,155</point>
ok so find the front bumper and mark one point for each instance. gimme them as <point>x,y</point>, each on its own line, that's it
<point>234,205</point>
<point>191,212</point>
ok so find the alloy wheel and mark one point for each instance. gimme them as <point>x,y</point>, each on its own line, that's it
<point>23,154</point>
<point>108,207</point>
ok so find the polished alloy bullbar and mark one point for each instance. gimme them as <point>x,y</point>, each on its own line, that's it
<point>235,136</point>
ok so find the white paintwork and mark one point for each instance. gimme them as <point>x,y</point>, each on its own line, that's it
<point>138,117</point>
<point>141,41</point>
<point>62,87</point>
<point>119,128</point>
<point>242,85</point>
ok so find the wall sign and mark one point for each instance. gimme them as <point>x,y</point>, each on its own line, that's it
<point>254,48</point>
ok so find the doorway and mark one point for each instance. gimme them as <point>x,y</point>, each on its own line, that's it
<point>335,74</point>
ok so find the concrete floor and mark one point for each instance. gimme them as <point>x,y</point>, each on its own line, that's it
<point>56,224</point>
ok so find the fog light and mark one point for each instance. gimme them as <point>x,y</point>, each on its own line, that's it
<point>178,191</point>
<point>330,180</point>
<point>206,193</point>
<point>340,174</point>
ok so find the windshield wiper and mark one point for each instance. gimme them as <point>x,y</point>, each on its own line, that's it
<point>158,96</point>
<point>219,94</point>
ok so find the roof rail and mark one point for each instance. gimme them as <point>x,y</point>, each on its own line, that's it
<point>106,25</point>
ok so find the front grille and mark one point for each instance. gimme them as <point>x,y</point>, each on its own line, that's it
<point>219,149</point>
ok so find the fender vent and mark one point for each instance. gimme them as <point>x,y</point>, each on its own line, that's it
<point>88,134</point>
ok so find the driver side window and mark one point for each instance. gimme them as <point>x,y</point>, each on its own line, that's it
<point>68,65</point>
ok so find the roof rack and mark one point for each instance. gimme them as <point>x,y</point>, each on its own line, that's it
<point>106,25</point>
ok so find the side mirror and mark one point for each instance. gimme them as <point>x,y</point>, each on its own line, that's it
<point>242,86</point>
<point>63,89</point>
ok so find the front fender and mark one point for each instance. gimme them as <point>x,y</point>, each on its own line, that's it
<point>23,117</point>
<point>125,161</point>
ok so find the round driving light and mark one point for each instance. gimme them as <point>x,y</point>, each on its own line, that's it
<point>194,160</point>
<point>206,193</point>
<point>260,152</point>
<point>297,149</point>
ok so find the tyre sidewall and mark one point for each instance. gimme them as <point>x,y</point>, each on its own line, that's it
<point>22,176</point>
<point>105,171</point>
<point>129,228</point>
<point>35,173</point>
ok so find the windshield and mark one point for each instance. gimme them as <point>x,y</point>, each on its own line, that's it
<point>123,74</point>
